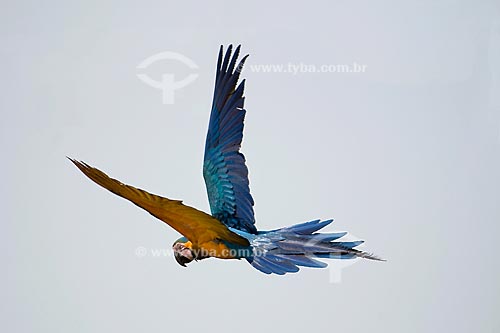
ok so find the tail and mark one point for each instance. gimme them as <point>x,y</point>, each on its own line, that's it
<point>283,250</point>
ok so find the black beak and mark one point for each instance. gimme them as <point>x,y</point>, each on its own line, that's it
<point>181,260</point>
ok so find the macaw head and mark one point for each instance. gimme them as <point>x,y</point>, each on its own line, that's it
<point>183,251</point>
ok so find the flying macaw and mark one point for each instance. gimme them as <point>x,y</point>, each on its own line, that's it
<point>230,232</point>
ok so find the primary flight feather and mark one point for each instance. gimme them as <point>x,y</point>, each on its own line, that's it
<point>230,232</point>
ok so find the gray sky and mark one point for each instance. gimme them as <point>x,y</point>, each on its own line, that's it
<point>404,155</point>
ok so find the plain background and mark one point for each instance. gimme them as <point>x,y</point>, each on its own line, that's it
<point>404,156</point>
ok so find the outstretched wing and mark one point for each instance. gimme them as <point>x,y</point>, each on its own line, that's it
<point>195,225</point>
<point>224,169</point>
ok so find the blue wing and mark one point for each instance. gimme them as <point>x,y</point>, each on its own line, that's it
<point>224,169</point>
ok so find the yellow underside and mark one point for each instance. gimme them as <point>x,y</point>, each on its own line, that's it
<point>214,249</point>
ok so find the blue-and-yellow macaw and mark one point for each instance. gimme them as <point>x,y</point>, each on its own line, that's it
<point>230,232</point>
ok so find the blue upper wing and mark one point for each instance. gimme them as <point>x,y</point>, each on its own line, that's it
<point>224,169</point>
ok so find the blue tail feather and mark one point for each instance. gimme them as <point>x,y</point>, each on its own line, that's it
<point>330,236</point>
<point>336,256</point>
<point>303,260</point>
<point>283,250</point>
<point>308,227</point>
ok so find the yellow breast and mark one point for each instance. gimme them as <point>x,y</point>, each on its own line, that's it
<point>215,249</point>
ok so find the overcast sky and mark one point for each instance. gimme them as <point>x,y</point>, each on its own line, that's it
<point>405,155</point>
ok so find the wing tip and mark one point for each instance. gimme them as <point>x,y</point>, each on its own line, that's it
<point>79,164</point>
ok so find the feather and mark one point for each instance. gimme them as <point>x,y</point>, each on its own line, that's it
<point>224,169</point>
